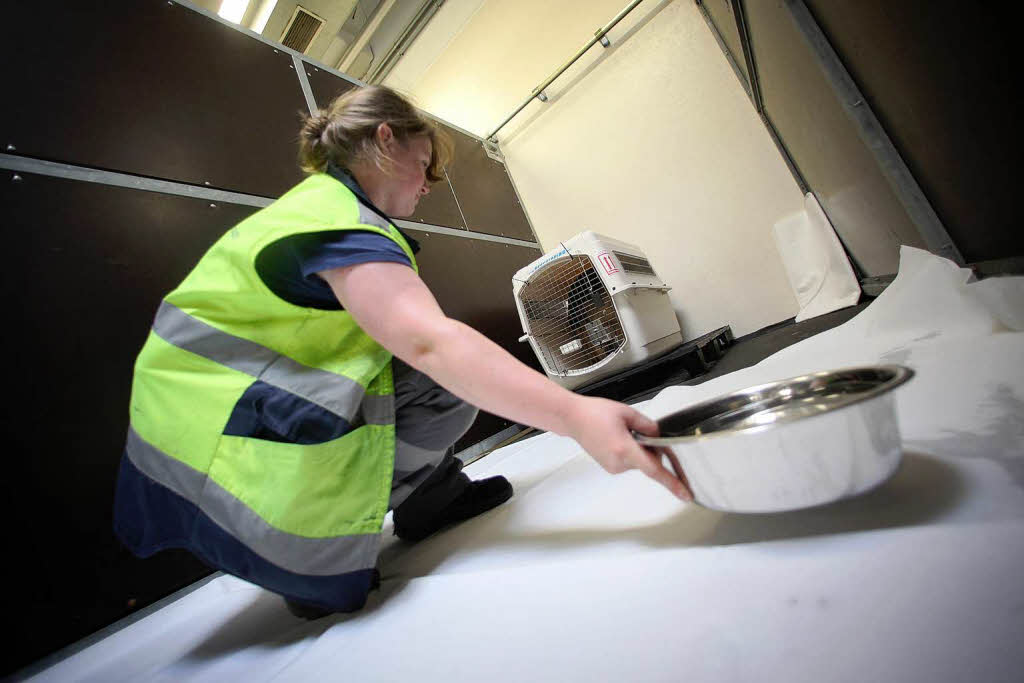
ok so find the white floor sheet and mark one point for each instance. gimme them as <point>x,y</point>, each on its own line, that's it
<point>583,576</point>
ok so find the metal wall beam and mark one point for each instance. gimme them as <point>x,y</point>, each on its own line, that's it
<point>17,164</point>
<point>752,86</point>
<point>729,56</point>
<point>870,130</point>
<point>307,91</point>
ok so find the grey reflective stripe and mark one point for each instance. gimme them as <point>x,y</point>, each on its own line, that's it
<point>368,216</point>
<point>186,481</point>
<point>298,554</point>
<point>338,394</point>
<point>179,328</point>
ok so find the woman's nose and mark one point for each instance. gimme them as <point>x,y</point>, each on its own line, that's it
<point>425,189</point>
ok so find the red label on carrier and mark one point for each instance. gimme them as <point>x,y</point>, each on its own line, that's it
<point>606,260</point>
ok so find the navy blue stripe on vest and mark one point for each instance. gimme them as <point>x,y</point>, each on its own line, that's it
<point>273,414</point>
<point>149,517</point>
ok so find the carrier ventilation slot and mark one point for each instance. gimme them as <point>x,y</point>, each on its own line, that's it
<point>634,264</point>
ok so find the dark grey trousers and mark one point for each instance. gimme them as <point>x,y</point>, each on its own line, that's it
<point>428,421</point>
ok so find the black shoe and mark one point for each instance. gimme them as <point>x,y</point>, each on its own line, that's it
<point>305,610</point>
<point>479,496</point>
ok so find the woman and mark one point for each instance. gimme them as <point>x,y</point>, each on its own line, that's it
<point>270,429</point>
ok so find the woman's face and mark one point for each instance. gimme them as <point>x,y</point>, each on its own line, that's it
<point>407,181</point>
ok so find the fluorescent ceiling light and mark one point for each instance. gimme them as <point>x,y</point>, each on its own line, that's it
<point>264,15</point>
<point>233,10</point>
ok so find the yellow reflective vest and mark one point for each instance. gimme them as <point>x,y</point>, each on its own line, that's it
<point>303,520</point>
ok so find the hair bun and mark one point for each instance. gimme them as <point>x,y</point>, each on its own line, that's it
<point>316,125</point>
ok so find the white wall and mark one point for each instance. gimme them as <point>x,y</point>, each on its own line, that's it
<point>652,141</point>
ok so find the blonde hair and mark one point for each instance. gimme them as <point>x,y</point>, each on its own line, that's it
<point>346,131</point>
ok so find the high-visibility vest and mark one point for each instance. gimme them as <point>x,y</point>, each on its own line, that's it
<point>295,518</point>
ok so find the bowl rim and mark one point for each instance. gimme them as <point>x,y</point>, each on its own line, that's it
<point>900,375</point>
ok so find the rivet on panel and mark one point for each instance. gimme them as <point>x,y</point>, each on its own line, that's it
<point>16,177</point>
<point>213,206</point>
<point>11,148</point>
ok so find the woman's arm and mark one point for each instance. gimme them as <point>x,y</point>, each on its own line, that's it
<point>392,304</point>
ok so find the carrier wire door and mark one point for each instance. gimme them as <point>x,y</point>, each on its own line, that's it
<point>592,308</point>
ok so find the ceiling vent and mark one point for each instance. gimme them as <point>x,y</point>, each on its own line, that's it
<point>302,29</point>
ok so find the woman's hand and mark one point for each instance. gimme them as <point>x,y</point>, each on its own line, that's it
<point>603,427</point>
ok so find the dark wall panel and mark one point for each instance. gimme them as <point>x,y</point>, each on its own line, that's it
<point>87,266</point>
<point>439,207</point>
<point>472,281</point>
<point>825,144</point>
<point>939,74</point>
<point>151,88</point>
<point>325,85</point>
<point>485,192</point>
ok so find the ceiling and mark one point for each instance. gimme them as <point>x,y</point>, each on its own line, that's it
<point>361,38</point>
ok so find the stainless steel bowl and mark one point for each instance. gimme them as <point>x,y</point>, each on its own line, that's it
<point>790,444</point>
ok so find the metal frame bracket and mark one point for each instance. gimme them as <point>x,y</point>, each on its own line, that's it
<point>492,150</point>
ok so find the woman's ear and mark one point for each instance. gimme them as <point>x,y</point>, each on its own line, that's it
<point>385,135</point>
